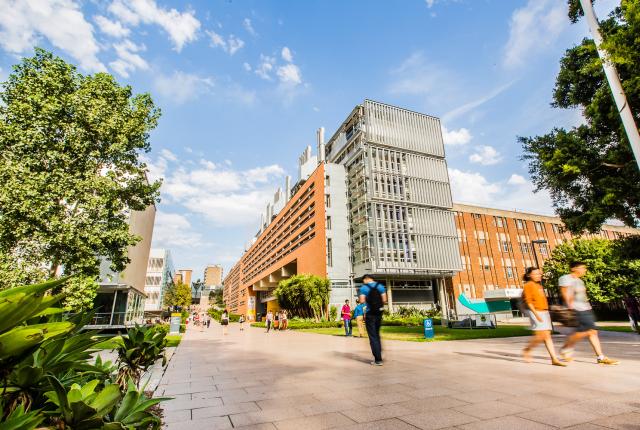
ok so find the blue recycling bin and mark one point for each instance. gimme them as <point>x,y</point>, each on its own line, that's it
<point>428,328</point>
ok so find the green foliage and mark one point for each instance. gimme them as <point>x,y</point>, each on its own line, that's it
<point>47,379</point>
<point>590,170</point>
<point>304,323</point>
<point>333,313</point>
<point>71,170</point>
<point>216,314</point>
<point>80,292</point>
<point>304,295</point>
<point>139,350</point>
<point>412,311</point>
<point>613,266</point>
<point>178,295</point>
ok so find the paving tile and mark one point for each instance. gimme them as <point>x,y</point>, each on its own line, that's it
<point>315,422</point>
<point>191,404</point>
<point>431,392</point>
<point>506,423</point>
<point>176,416</point>
<point>218,423</point>
<point>267,416</point>
<point>559,416</point>
<point>433,403</point>
<point>263,426</point>
<point>390,424</point>
<point>286,401</point>
<point>586,426</point>
<point>606,407</point>
<point>366,414</point>
<point>438,419</point>
<point>477,396</point>
<point>492,409</point>
<point>219,411</point>
<point>381,398</point>
<point>630,421</point>
<point>536,401</point>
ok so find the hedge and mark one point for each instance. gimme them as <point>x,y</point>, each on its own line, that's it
<point>217,315</point>
<point>386,321</point>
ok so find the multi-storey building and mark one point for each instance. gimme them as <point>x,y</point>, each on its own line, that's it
<point>213,275</point>
<point>183,276</point>
<point>375,199</point>
<point>159,278</point>
<point>496,246</point>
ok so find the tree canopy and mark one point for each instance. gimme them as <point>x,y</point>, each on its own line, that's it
<point>589,170</point>
<point>613,266</point>
<point>304,295</point>
<point>178,295</point>
<point>71,171</point>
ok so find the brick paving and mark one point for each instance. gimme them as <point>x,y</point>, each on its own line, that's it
<point>292,380</point>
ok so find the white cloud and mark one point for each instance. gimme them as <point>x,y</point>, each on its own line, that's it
<point>61,22</point>
<point>128,59</point>
<point>430,3</point>
<point>111,28</point>
<point>265,67</point>
<point>462,136</point>
<point>231,45</point>
<point>182,27</point>
<point>469,106</point>
<point>290,74</point>
<point>417,76</point>
<point>172,230</point>
<point>247,67</point>
<point>246,23</point>
<point>287,55</point>
<point>224,196</point>
<point>474,188</point>
<point>533,28</point>
<point>487,156</point>
<point>516,179</point>
<point>181,87</point>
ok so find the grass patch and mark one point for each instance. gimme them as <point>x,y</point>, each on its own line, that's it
<point>623,329</point>
<point>111,343</point>
<point>173,340</point>
<point>416,334</point>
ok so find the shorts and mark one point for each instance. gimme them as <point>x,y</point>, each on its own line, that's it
<point>536,325</point>
<point>586,320</point>
<point>224,322</point>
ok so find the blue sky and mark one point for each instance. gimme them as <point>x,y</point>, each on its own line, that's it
<point>243,85</point>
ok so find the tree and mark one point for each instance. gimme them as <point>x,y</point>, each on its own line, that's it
<point>305,295</point>
<point>80,292</point>
<point>178,295</point>
<point>613,266</point>
<point>590,170</point>
<point>71,170</point>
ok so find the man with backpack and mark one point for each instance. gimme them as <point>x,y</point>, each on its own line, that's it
<point>375,296</point>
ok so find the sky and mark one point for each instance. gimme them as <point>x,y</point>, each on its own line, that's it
<point>243,86</point>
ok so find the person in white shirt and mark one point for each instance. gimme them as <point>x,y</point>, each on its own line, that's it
<point>575,297</point>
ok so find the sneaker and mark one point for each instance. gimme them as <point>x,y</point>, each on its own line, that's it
<point>558,363</point>
<point>566,355</point>
<point>607,361</point>
<point>376,363</point>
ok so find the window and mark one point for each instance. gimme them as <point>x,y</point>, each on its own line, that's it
<point>328,225</point>
<point>327,200</point>
<point>520,224</point>
<point>327,181</point>
<point>509,272</point>
<point>475,216</point>
<point>538,225</point>
<point>544,250</point>
<point>556,228</point>
<point>329,253</point>
<point>506,246</point>
<point>498,221</point>
<point>525,248</point>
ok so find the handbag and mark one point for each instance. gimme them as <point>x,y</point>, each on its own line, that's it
<point>563,315</point>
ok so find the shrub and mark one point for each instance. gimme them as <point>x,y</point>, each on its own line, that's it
<point>294,324</point>
<point>333,313</point>
<point>139,350</point>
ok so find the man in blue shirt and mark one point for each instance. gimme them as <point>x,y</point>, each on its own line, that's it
<point>375,296</point>
<point>358,314</point>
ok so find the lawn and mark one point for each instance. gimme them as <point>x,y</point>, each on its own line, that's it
<point>624,328</point>
<point>416,334</point>
<point>111,343</point>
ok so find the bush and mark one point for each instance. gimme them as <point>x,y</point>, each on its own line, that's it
<point>300,324</point>
<point>183,328</point>
<point>217,315</point>
<point>333,313</point>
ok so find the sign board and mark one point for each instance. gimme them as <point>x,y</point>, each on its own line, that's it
<point>176,319</point>
<point>482,320</point>
<point>428,328</point>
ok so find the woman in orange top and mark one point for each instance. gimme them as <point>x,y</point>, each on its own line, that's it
<point>538,310</point>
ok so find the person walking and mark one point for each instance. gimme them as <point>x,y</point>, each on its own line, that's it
<point>633,310</point>
<point>241,321</point>
<point>269,320</point>
<point>574,294</point>
<point>375,296</point>
<point>276,321</point>
<point>284,322</point>
<point>346,318</point>
<point>208,320</point>
<point>358,314</point>
<point>224,321</point>
<point>538,310</point>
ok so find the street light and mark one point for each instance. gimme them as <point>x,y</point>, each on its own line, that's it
<point>533,246</point>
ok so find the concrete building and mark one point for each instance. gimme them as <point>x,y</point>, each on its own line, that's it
<point>183,276</point>
<point>121,297</point>
<point>213,275</point>
<point>159,278</point>
<point>496,246</point>
<point>374,199</point>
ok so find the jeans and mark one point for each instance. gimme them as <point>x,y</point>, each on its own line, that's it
<point>268,325</point>
<point>373,323</point>
<point>347,327</point>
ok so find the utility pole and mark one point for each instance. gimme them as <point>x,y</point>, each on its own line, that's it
<point>614,82</point>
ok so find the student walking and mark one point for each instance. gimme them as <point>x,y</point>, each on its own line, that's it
<point>358,314</point>
<point>574,294</point>
<point>224,321</point>
<point>241,321</point>
<point>375,296</point>
<point>284,321</point>
<point>208,321</point>
<point>538,310</point>
<point>269,320</point>
<point>346,318</point>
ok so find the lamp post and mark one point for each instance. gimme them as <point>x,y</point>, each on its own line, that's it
<point>533,246</point>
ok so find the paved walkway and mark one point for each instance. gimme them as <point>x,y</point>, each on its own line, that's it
<point>293,380</point>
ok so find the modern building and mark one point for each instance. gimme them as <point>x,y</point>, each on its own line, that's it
<point>496,246</point>
<point>183,276</point>
<point>213,275</point>
<point>121,297</point>
<point>375,199</point>
<point>159,278</point>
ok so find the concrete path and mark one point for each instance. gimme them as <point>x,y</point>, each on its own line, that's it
<point>292,380</point>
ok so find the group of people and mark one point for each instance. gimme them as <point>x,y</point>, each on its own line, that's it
<point>574,296</point>
<point>200,319</point>
<point>358,314</point>
<point>278,321</point>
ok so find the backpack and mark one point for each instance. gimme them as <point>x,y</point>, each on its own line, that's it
<point>374,301</point>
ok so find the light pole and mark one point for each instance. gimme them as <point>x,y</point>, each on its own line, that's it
<point>533,246</point>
